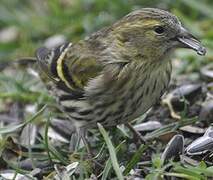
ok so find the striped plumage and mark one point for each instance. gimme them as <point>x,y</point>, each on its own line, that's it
<point>117,73</point>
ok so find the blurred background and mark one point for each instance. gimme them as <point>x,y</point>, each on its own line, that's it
<point>26,25</point>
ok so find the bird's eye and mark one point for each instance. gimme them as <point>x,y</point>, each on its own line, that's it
<point>159,29</point>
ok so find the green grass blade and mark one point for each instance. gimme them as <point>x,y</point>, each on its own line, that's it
<point>46,139</point>
<point>135,159</point>
<point>12,128</point>
<point>108,165</point>
<point>184,176</point>
<point>170,128</point>
<point>57,155</point>
<point>111,152</point>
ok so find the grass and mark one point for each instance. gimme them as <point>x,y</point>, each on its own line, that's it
<point>112,152</point>
<point>118,155</point>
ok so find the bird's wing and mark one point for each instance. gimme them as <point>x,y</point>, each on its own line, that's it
<point>71,66</point>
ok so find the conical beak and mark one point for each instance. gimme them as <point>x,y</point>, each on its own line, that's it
<point>187,40</point>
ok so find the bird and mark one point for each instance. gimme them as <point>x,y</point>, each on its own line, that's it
<point>118,73</point>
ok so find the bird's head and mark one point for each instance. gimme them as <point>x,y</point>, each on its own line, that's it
<point>154,32</point>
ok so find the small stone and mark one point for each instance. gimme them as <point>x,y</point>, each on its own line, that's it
<point>9,34</point>
<point>27,164</point>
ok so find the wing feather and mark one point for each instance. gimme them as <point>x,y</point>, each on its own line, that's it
<point>67,64</point>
